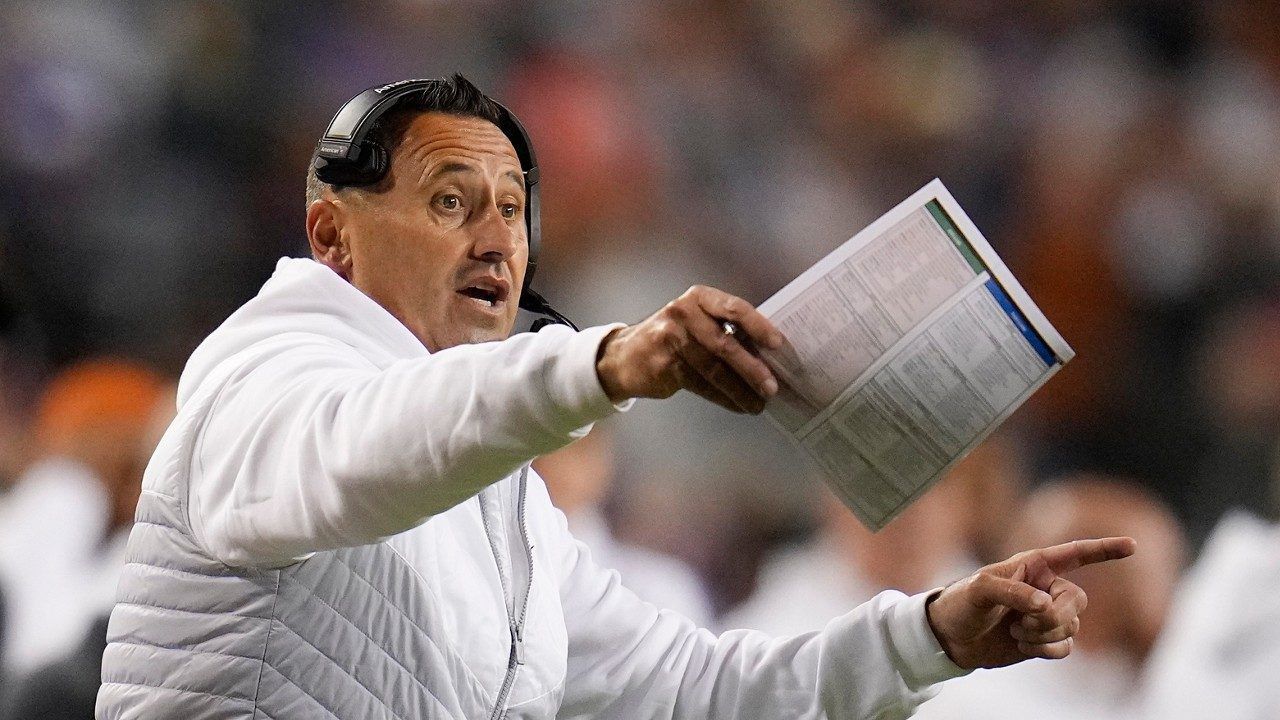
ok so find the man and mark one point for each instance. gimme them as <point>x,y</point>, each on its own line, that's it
<point>341,522</point>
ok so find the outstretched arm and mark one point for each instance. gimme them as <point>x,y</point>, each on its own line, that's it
<point>310,447</point>
<point>627,659</point>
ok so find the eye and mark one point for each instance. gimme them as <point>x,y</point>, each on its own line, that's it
<point>449,202</point>
<point>509,210</point>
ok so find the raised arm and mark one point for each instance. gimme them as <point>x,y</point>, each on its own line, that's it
<point>309,447</point>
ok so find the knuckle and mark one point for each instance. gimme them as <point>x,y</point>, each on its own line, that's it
<point>659,363</point>
<point>735,306</point>
<point>1061,617</point>
<point>694,291</point>
<point>979,582</point>
<point>1049,636</point>
<point>667,328</point>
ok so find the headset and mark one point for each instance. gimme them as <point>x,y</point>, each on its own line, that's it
<point>346,156</point>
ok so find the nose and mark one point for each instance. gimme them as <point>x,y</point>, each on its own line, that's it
<point>496,238</point>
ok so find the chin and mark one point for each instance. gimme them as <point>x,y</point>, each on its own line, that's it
<point>471,336</point>
<point>464,328</point>
<point>485,335</point>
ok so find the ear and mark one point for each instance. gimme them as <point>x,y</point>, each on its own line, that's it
<point>324,234</point>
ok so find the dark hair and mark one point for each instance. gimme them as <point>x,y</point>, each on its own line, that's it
<point>453,96</point>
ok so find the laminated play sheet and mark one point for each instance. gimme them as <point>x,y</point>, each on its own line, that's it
<point>907,346</point>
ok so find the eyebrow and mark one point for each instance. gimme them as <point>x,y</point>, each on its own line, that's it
<point>451,168</point>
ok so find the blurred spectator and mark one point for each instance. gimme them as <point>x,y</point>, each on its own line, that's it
<point>1220,654</point>
<point>603,181</point>
<point>65,689</point>
<point>1128,605</point>
<point>64,525</point>
<point>578,478</point>
<point>1237,387</point>
<point>989,485</point>
<point>844,564</point>
<point>14,446</point>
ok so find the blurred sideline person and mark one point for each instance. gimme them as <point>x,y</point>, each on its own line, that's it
<point>800,589</point>
<point>1128,607</point>
<point>992,484</point>
<point>65,689</point>
<point>578,477</point>
<point>1220,656</point>
<point>64,525</point>
<point>341,522</point>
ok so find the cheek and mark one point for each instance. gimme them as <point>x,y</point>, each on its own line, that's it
<point>405,266</point>
<point>518,267</point>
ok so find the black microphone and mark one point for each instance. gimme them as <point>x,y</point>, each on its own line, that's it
<point>535,303</point>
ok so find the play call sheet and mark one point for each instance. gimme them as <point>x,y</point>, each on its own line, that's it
<point>907,346</point>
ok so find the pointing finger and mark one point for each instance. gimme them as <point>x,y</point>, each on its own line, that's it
<point>1070,556</point>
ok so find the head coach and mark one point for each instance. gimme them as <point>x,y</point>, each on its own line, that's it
<point>341,521</point>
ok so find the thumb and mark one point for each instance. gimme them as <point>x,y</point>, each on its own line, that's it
<point>989,591</point>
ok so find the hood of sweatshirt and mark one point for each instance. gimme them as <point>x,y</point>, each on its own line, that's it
<point>305,296</point>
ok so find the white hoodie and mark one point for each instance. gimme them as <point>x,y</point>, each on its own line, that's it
<point>349,522</point>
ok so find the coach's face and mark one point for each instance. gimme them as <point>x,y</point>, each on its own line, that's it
<point>444,249</point>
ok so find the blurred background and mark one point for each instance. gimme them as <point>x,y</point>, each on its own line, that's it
<point>1123,157</point>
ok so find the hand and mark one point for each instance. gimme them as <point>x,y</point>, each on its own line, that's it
<point>1019,608</point>
<point>684,345</point>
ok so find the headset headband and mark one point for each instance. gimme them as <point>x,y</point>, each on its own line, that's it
<point>345,156</point>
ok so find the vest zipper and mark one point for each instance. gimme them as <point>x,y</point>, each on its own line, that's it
<point>519,606</point>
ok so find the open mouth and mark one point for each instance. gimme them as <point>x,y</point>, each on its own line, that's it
<point>485,291</point>
<point>487,297</point>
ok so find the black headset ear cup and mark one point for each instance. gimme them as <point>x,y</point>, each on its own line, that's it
<point>325,170</point>
<point>374,163</point>
<point>368,167</point>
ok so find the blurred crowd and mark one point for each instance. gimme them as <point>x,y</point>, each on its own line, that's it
<point>1122,156</point>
